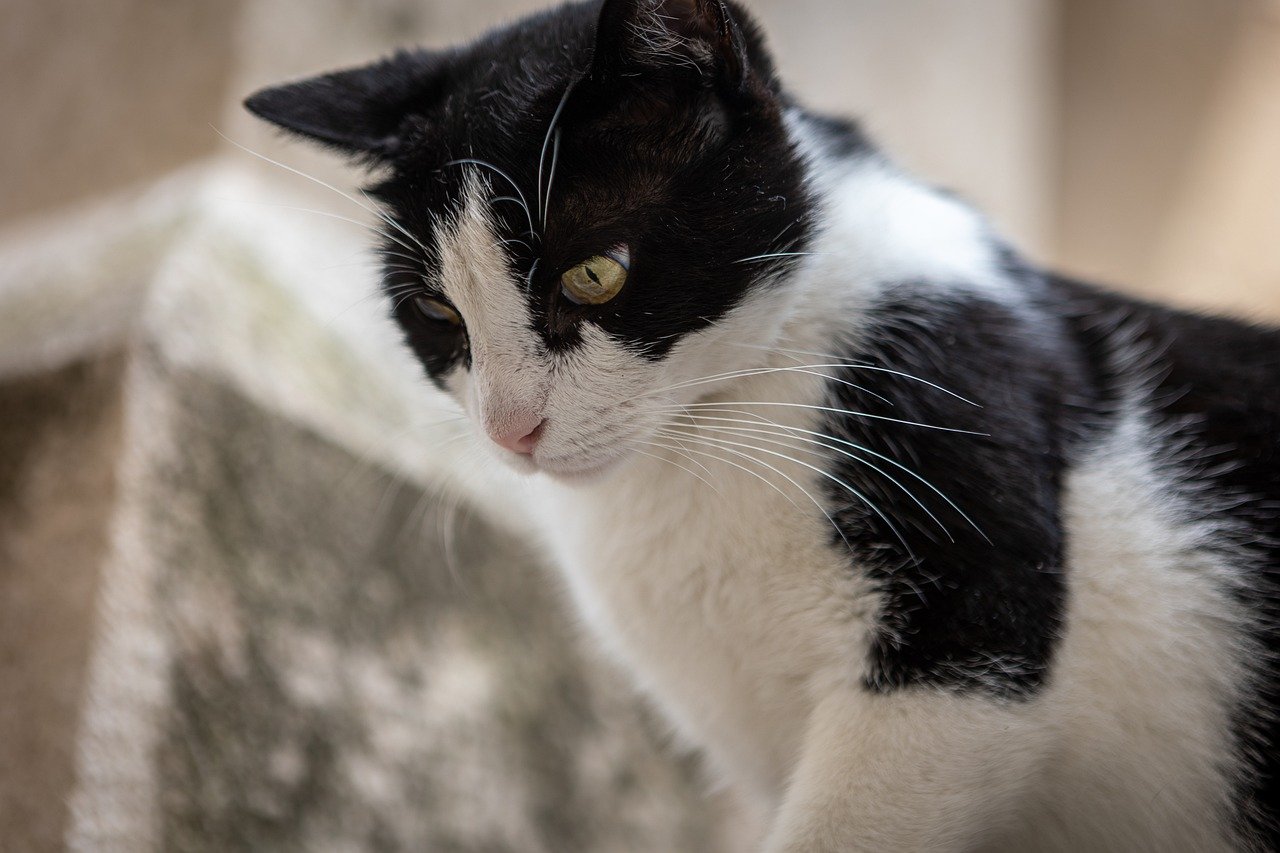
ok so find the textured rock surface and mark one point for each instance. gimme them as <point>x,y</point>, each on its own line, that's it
<point>357,665</point>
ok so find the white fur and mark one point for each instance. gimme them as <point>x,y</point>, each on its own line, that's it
<point>720,593</point>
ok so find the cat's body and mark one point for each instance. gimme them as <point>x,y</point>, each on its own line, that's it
<point>740,614</point>
<point>926,549</point>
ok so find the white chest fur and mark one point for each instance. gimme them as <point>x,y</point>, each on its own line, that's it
<point>721,595</point>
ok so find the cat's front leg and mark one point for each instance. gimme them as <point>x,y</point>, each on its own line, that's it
<point>914,770</point>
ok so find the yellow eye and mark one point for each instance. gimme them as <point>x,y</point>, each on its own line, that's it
<point>597,280</point>
<point>434,309</point>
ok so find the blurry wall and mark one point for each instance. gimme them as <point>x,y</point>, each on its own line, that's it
<point>96,96</point>
<point>1168,179</point>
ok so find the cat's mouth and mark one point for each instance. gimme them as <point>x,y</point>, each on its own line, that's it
<point>570,464</point>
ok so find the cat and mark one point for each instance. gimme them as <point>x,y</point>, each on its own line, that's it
<point>923,547</point>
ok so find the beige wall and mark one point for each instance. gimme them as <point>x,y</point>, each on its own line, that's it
<point>98,95</point>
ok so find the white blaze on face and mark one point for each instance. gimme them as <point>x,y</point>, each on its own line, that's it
<point>510,372</point>
<point>584,394</point>
<point>599,398</point>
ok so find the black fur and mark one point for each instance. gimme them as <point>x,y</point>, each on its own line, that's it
<point>968,603</point>
<point>684,159</point>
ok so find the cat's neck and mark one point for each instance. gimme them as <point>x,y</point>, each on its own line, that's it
<point>879,228</point>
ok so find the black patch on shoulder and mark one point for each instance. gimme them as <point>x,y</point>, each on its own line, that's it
<point>976,603</point>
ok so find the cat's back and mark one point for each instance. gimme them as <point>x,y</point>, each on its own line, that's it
<point>1208,396</point>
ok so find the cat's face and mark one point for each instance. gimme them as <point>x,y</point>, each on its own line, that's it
<point>576,207</point>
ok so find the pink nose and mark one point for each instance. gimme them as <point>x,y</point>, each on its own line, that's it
<point>519,434</point>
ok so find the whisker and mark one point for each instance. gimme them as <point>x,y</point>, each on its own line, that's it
<point>850,489</point>
<point>818,453</point>
<point>387,218</point>
<point>417,259</point>
<point>837,411</point>
<point>634,442</point>
<point>694,461</point>
<point>338,216</point>
<point>858,366</point>
<point>542,155</point>
<point>523,202</point>
<point>326,185</point>
<point>551,176</point>
<point>510,198</point>
<point>764,479</point>
<point>405,298</point>
<point>761,371</point>
<point>760,419</point>
<point>506,241</point>
<point>770,255</point>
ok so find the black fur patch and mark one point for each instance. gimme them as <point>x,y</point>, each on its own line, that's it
<point>972,603</point>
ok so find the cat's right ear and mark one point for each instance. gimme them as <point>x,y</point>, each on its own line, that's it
<point>359,111</point>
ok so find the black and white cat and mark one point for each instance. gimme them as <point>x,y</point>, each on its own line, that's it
<point>925,548</point>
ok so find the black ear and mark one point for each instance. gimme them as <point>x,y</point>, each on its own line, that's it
<point>696,35</point>
<point>360,110</point>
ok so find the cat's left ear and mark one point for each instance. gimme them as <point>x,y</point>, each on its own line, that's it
<point>702,36</point>
<point>359,111</point>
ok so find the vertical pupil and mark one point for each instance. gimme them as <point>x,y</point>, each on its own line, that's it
<point>591,274</point>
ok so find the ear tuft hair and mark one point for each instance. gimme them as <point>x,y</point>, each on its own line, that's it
<point>700,35</point>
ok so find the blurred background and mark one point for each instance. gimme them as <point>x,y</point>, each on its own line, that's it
<point>255,591</point>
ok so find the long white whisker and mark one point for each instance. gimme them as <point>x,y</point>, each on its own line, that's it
<point>509,240</point>
<point>769,255</point>
<point>691,472</point>
<point>719,446</point>
<point>756,474</point>
<point>417,259</point>
<point>326,185</point>
<point>542,155</point>
<point>859,366</point>
<point>510,198</point>
<point>387,218</point>
<point>551,175</point>
<point>694,461</point>
<point>405,298</point>
<point>760,419</point>
<point>523,202</point>
<point>850,489</point>
<point>818,453</point>
<point>338,216</point>
<point>835,411</point>
<point>761,371</point>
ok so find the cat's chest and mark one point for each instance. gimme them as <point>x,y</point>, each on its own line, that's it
<point>725,599</point>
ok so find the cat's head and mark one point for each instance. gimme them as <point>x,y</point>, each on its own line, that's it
<point>576,209</point>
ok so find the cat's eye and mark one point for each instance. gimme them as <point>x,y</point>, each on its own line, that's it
<point>436,311</point>
<point>597,280</point>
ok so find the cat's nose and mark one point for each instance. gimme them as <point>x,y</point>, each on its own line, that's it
<point>520,433</point>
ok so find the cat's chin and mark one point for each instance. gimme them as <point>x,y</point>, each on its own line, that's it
<point>576,472</point>
<point>563,469</point>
